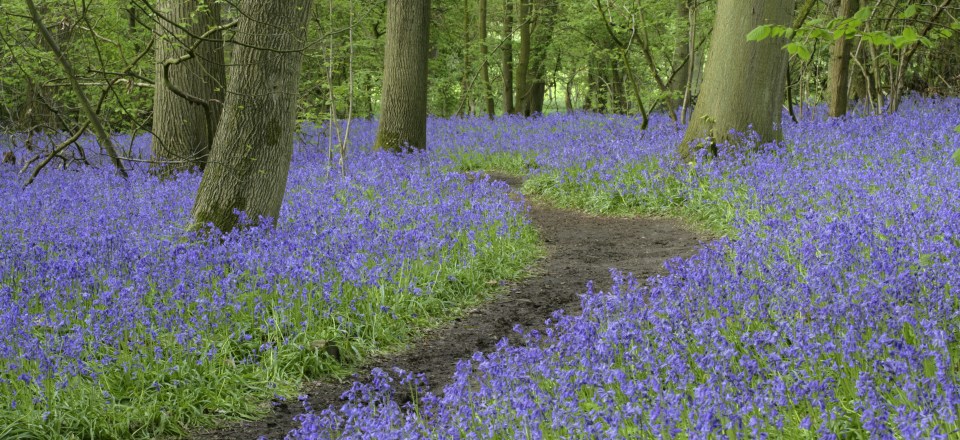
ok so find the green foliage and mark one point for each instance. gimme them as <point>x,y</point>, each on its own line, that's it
<point>669,190</point>
<point>98,39</point>
<point>834,29</point>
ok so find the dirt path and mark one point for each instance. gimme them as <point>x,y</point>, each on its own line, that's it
<point>579,248</point>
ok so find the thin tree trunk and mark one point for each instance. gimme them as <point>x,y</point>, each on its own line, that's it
<point>858,81</point>
<point>522,99</point>
<point>465,107</point>
<point>540,37</point>
<point>508,106</point>
<point>625,57</point>
<point>598,91</point>
<point>251,152</point>
<point>568,98</point>
<point>839,72</point>
<point>484,55</point>
<point>618,96</point>
<point>693,66</point>
<point>681,52</point>
<point>744,80</point>
<point>188,71</point>
<point>588,97</point>
<point>654,70</point>
<point>403,115</point>
<point>789,87</point>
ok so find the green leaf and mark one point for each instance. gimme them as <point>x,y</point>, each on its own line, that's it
<point>799,50</point>
<point>909,36</point>
<point>820,33</point>
<point>864,13</point>
<point>956,158</point>
<point>911,33</point>
<point>759,33</point>
<point>878,38</point>
<point>909,12</point>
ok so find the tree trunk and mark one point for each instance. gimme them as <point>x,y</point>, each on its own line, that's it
<point>484,55</point>
<point>183,128</point>
<point>466,99</point>
<point>540,38</point>
<point>840,64</point>
<point>403,113</point>
<point>251,152</point>
<point>681,56</point>
<point>508,107</point>
<point>625,57</point>
<point>522,99</point>
<point>598,90</point>
<point>618,95</point>
<point>743,81</point>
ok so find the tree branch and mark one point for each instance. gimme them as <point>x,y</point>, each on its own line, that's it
<point>94,120</point>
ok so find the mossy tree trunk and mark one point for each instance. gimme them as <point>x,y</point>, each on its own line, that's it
<point>743,84</point>
<point>522,99</point>
<point>189,91</point>
<point>839,74</point>
<point>403,114</point>
<point>681,57</point>
<point>466,98</point>
<point>541,35</point>
<point>484,55</point>
<point>250,156</point>
<point>507,58</point>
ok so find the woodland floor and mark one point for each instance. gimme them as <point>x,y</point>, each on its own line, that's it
<point>579,248</point>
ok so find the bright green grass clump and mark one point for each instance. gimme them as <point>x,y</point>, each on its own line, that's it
<point>648,187</point>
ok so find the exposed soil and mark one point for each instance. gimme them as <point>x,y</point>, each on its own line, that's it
<point>579,248</point>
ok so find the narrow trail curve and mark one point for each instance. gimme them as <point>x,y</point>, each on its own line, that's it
<point>579,248</point>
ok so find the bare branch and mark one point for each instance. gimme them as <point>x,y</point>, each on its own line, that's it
<point>101,134</point>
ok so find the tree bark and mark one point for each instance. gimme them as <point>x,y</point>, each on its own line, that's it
<point>183,129</point>
<point>403,113</point>
<point>540,37</point>
<point>743,80</point>
<point>484,55</point>
<point>251,152</point>
<point>522,99</point>
<point>508,106</point>
<point>568,97</point>
<point>681,54</point>
<point>839,73</point>
<point>858,82</point>
<point>618,94</point>
<point>598,90</point>
<point>466,98</point>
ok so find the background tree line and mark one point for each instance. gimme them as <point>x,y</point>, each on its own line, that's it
<point>215,84</point>
<point>553,54</point>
